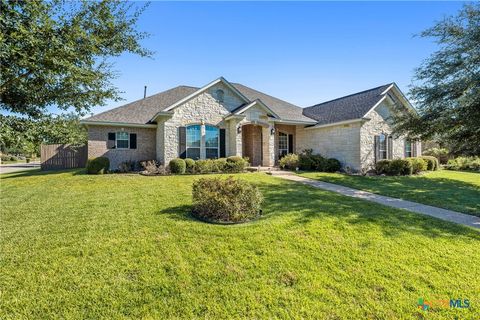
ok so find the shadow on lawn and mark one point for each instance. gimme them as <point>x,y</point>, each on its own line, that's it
<point>307,204</point>
<point>38,172</point>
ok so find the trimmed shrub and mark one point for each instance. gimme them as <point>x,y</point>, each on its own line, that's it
<point>440,153</point>
<point>418,164</point>
<point>204,166</point>
<point>432,162</point>
<point>289,161</point>
<point>190,165</point>
<point>382,167</point>
<point>13,158</point>
<point>220,164</point>
<point>399,167</point>
<point>225,200</point>
<point>99,165</point>
<point>464,163</point>
<point>305,162</point>
<point>235,164</point>
<point>332,165</point>
<point>177,166</point>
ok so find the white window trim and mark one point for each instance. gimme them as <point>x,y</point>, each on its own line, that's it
<point>203,136</point>
<point>116,140</point>
<point>286,134</point>
<point>205,142</point>
<point>411,148</point>
<point>380,150</point>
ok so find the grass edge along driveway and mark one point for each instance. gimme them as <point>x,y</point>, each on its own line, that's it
<point>454,190</point>
<point>125,246</point>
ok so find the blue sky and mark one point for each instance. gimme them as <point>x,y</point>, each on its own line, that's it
<point>304,53</point>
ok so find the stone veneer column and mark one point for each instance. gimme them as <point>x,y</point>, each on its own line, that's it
<point>268,144</point>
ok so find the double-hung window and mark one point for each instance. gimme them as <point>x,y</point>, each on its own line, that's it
<point>193,141</point>
<point>122,140</point>
<point>382,147</point>
<point>408,148</point>
<point>282,144</point>
<point>211,142</point>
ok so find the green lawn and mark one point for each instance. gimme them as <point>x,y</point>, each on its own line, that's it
<point>75,246</point>
<point>455,190</point>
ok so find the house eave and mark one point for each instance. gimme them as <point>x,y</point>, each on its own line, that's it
<point>339,123</point>
<point>117,124</point>
<point>299,122</point>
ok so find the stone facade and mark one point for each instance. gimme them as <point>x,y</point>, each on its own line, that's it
<point>379,123</point>
<point>97,145</point>
<point>341,142</point>
<point>205,108</point>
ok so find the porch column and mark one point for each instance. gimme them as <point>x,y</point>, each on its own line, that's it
<point>234,138</point>
<point>268,146</point>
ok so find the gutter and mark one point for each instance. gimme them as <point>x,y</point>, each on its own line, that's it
<point>117,124</point>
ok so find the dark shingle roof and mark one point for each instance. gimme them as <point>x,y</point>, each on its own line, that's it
<point>142,111</point>
<point>285,110</point>
<point>350,107</point>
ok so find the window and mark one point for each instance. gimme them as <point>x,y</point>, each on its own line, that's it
<point>122,140</point>
<point>408,148</point>
<point>193,142</point>
<point>211,142</point>
<point>282,144</point>
<point>220,95</point>
<point>382,147</point>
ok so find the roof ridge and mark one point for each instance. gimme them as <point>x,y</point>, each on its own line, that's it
<point>349,95</point>
<point>266,94</point>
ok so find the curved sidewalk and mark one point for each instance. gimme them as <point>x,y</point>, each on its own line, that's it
<point>444,214</point>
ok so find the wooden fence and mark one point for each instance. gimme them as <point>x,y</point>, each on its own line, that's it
<point>62,156</point>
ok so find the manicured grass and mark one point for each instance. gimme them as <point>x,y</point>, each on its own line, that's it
<point>125,246</point>
<point>455,190</point>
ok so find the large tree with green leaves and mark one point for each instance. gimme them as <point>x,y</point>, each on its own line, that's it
<point>25,135</point>
<point>446,88</point>
<point>58,52</point>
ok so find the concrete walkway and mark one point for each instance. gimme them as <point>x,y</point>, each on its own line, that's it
<point>444,214</point>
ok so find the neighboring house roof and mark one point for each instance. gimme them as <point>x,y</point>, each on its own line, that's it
<point>354,106</point>
<point>141,111</point>
<point>283,109</point>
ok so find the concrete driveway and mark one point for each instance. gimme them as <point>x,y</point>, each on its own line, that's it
<point>14,167</point>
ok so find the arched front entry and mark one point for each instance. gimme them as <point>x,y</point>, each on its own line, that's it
<point>252,143</point>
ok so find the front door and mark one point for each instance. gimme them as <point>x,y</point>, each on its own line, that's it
<point>252,143</point>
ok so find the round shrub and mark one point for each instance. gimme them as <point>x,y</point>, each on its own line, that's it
<point>289,161</point>
<point>432,162</point>
<point>204,166</point>
<point>399,167</point>
<point>190,165</point>
<point>220,164</point>
<point>382,167</point>
<point>225,200</point>
<point>305,162</point>
<point>235,164</point>
<point>418,164</point>
<point>99,165</point>
<point>332,165</point>
<point>177,166</point>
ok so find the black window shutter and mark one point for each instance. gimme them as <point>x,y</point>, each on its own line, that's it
<point>376,146</point>
<point>290,143</point>
<point>133,141</point>
<point>111,140</point>
<point>182,142</point>
<point>222,143</point>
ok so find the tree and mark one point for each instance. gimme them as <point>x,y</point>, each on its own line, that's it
<point>25,135</point>
<point>57,52</point>
<point>446,87</point>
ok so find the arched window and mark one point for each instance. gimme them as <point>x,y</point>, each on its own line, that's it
<point>193,141</point>
<point>211,142</point>
<point>220,95</point>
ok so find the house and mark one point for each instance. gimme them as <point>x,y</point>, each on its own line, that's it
<point>225,119</point>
